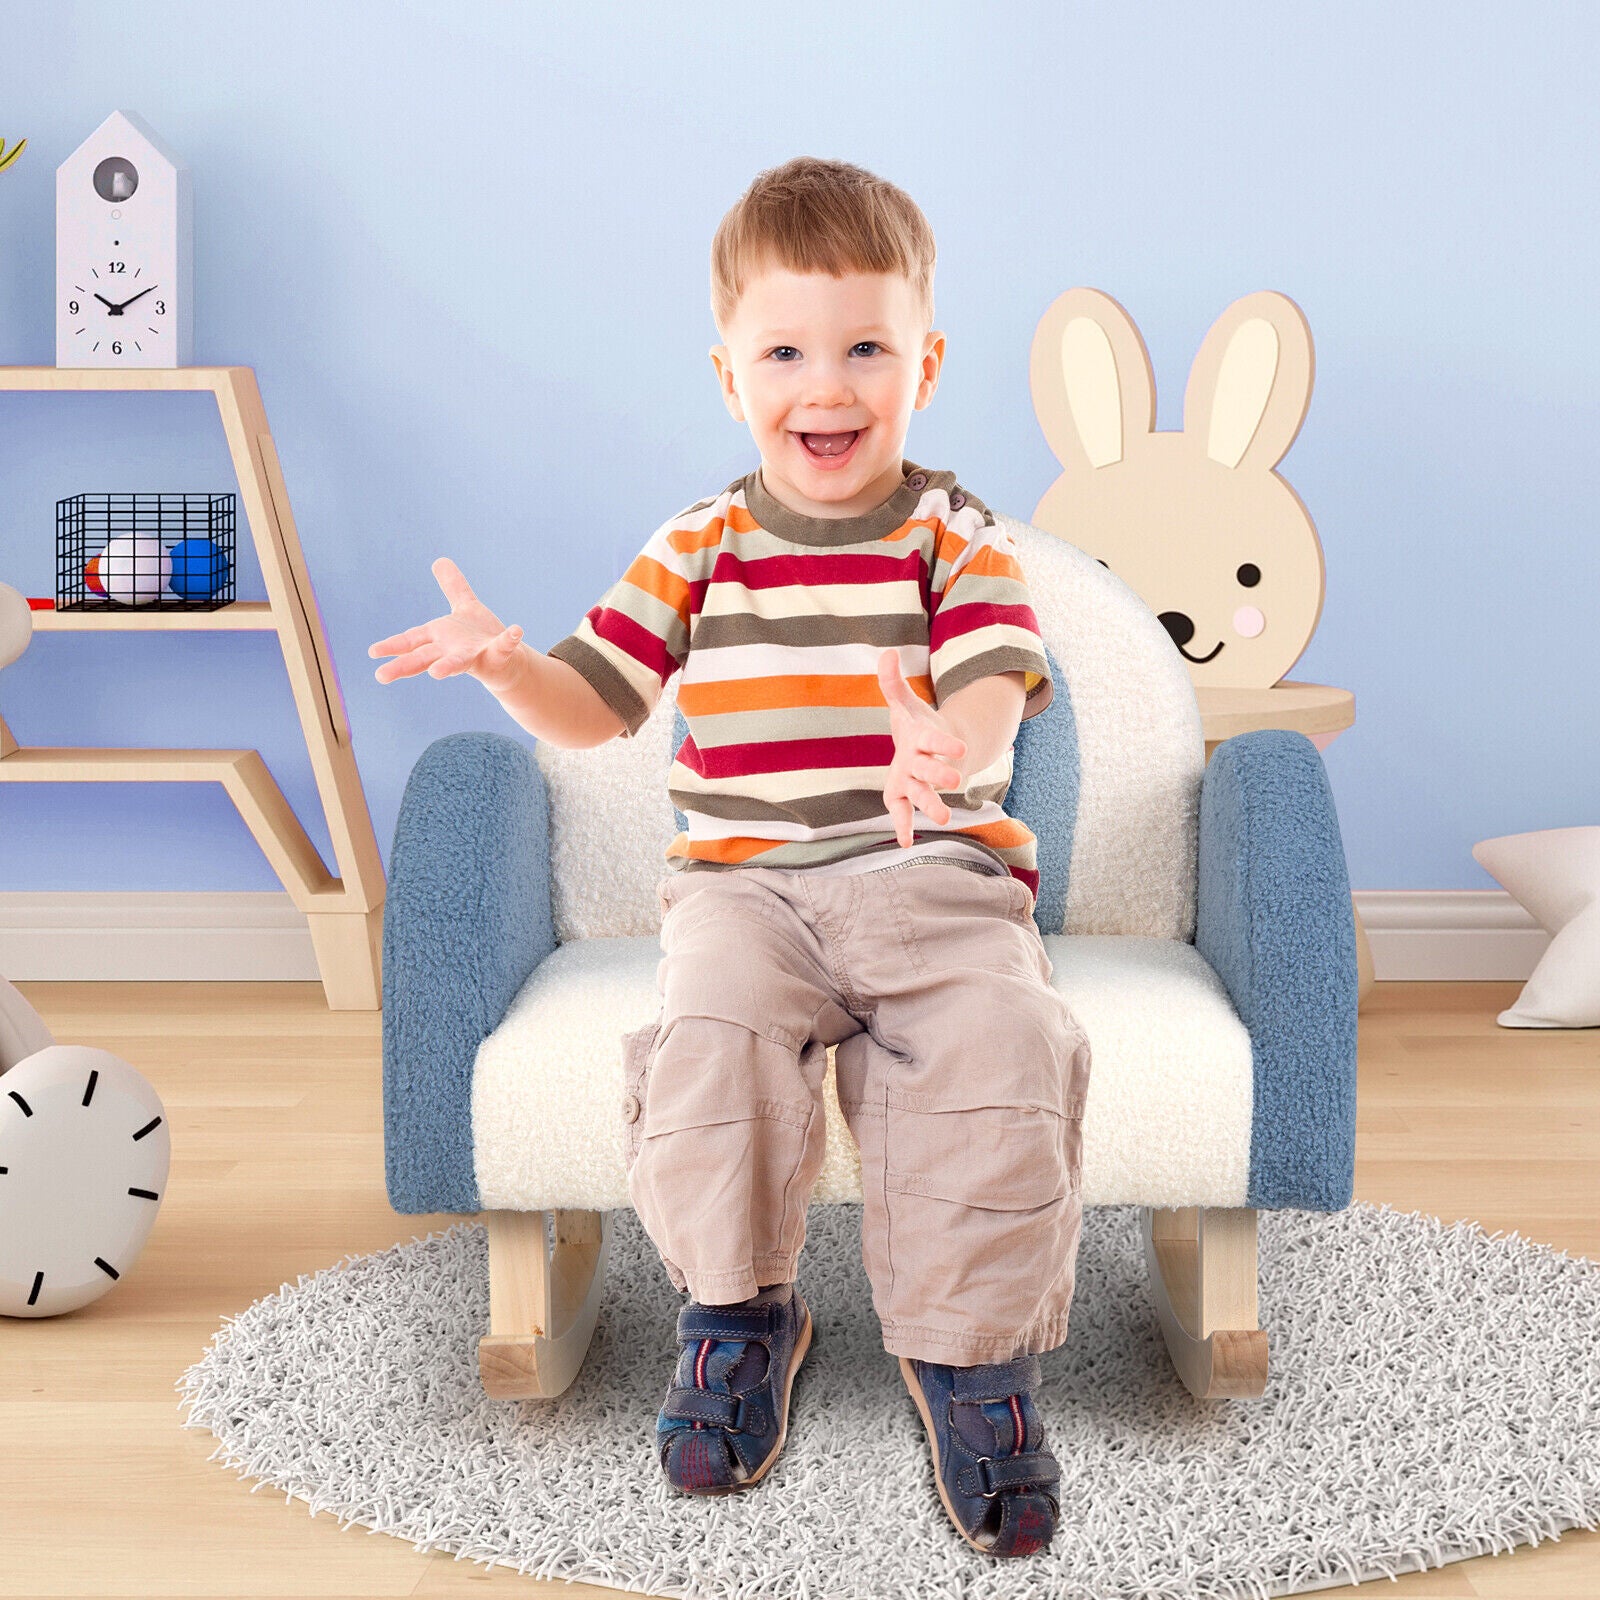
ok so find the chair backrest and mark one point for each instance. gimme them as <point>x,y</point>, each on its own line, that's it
<point>1107,777</point>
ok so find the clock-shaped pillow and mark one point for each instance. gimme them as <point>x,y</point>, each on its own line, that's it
<point>84,1152</point>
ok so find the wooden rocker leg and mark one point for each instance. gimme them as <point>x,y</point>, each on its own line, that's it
<point>1202,1263</point>
<point>543,1300</point>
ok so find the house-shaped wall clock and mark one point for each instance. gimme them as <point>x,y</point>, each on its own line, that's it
<point>124,251</point>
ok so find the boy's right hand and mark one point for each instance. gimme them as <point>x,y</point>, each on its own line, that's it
<point>471,638</point>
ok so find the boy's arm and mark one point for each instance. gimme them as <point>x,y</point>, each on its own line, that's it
<point>556,703</point>
<point>986,713</point>
<point>986,655</point>
<point>626,648</point>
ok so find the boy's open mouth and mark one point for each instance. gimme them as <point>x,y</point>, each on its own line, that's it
<point>830,446</point>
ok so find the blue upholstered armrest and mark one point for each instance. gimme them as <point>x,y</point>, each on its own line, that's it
<point>466,919</point>
<point>1276,924</point>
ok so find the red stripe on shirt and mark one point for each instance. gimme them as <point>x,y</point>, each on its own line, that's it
<point>647,648</point>
<point>792,755</point>
<point>785,571</point>
<point>951,622</point>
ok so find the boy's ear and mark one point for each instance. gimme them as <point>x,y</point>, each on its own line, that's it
<point>932,360</point>
<point>723,362</point>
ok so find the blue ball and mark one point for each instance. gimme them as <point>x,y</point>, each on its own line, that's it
<point>199,569</point>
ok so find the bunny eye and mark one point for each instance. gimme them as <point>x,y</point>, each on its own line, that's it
<point>1249,574</point>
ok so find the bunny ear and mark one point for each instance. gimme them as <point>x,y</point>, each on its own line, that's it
<point>1094,390</point>
<point>1250,384</point>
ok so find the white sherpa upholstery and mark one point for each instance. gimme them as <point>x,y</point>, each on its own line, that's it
<point>1141,752</point>
<point>1141,757</point>
<point>1168,1122</point>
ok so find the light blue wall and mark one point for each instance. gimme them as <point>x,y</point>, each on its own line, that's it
<point>465,250</point>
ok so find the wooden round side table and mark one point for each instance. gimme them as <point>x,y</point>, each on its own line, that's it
<point>1317,710</point>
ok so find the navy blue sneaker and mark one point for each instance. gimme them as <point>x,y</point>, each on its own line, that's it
<point>727,1410</point>
<point>995,1474</point>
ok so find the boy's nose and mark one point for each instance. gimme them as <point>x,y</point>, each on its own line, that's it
<point>827,387</point>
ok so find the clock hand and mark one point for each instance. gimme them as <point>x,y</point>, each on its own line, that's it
<point>103,301</point>
<point>140,296</point>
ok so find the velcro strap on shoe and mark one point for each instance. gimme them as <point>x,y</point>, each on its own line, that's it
<point>701,1405</point>
<point>994,1473</point>
<point>729,1322</point>
<point>997,1381</point>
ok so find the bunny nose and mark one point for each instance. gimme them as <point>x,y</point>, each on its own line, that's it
<point>1178,625</point>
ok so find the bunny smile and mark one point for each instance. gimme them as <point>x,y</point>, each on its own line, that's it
<point>1181,627</point>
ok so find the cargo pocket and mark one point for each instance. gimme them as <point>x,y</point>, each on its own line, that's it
<point>1008,1138</point>
<point>638,1050</point>
<point>728,1145</point>
<point>982,1218</point>
<point>997,1157</point>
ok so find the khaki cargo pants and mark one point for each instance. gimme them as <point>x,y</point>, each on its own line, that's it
<point>961,1074</point>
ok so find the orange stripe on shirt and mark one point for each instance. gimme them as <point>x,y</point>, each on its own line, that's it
<point>663,583</point>
<point>784,693</point>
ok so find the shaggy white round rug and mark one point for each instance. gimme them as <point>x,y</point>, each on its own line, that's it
<point>1432,1395</point>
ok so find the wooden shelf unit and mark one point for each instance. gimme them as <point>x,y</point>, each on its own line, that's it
<point>344,913</point>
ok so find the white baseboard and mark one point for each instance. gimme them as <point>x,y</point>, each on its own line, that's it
<point>148,937</point>
<point>1456,934</point>
<point>1463,935</point>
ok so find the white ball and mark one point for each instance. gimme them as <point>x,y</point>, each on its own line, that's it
<point>135,569</point>
<point>16,626</point>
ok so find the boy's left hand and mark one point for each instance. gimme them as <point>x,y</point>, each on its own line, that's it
<point>921,737</point>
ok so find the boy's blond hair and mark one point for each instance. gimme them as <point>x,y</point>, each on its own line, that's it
<point>811,215</point>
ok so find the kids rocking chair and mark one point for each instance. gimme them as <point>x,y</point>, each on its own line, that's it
<point>1197,916</point>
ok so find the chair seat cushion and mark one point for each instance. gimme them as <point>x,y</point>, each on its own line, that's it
<point>1168,1119</point>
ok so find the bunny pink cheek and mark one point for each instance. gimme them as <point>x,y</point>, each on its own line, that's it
<point>1248,622</point>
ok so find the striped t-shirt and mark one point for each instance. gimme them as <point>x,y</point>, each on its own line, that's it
<point>777,620</point>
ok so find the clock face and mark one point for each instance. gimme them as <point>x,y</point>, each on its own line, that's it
<point>84,1158</point>
<point>115,308</point>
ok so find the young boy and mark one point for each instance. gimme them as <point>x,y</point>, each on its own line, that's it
<point>857,650</point>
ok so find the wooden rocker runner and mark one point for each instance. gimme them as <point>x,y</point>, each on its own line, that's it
<point>546,1283</point>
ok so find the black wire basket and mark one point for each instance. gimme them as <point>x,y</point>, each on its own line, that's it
<point>144,552</point>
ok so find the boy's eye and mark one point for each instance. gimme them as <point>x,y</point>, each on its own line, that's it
<point>870,344</point>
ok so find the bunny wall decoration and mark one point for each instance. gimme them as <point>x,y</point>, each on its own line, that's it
<point>1196,521</point>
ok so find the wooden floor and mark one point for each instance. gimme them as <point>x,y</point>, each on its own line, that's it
<point>275,1106</point>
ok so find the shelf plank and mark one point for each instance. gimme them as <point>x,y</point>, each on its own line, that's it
<point>238,615</point>
<point>46,378</point>
<point>243,776</point>
<point>1304,707</point>
<point>63,763</point>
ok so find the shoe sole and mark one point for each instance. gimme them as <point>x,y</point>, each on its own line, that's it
<point>801,1345</point>
<point>908,1372</point>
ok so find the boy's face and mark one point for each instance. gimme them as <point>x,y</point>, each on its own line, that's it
<point>811,354</point>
